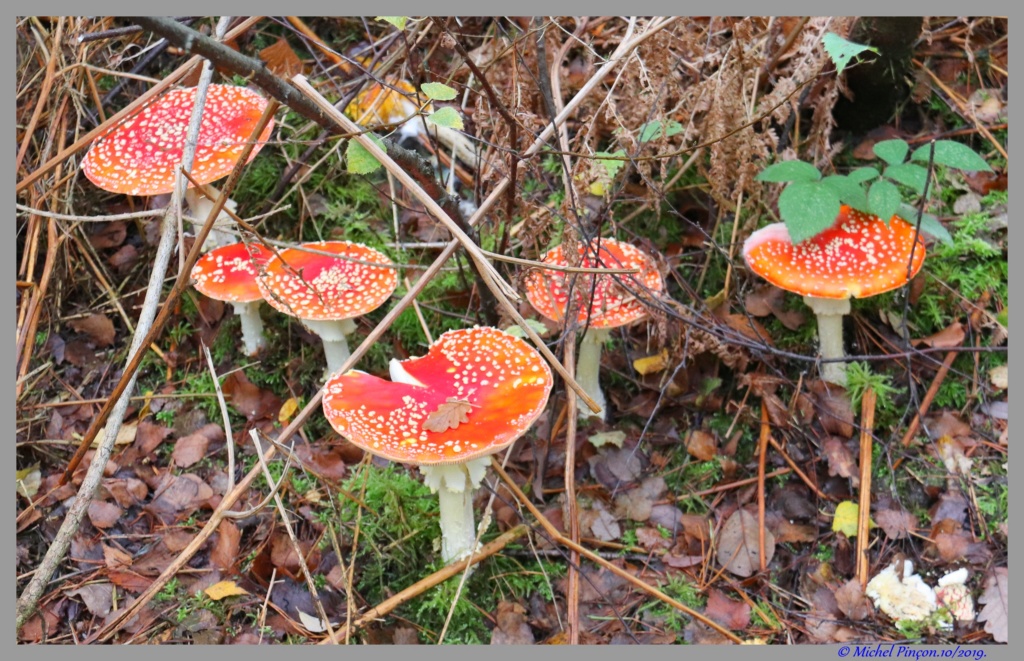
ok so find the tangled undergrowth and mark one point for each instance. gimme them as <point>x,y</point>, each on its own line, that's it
<point>712,503</point>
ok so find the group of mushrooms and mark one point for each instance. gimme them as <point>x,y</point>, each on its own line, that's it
<point>476,390</point>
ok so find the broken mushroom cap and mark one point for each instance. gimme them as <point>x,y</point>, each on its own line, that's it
<point>140,156</point>
<point>859,256</point>
<point>482,386</point>
<point>612,305</point>
<point>229,273</point>
<point>319,287</point>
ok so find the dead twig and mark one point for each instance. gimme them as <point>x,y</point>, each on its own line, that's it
<point>867,423</point>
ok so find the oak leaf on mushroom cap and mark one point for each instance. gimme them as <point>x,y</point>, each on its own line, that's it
<point>502,381</point>
<point>140,155</point>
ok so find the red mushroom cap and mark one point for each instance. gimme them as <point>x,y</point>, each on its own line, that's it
<point>140,155</point>
<point>500,381</point>
<point>859,256</point>
<point>329,288</point>
<point>229,273</point>
<point>611,305</point>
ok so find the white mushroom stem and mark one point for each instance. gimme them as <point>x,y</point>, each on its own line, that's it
<point>333,333</point>
<point>200,205</point>
<point>454,484</point>
<point>588,368</point>
<point>830,313</point>
<point>252,326</point>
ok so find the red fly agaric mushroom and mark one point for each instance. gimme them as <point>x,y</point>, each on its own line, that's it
<point>859,256</point>
<point>327,292</point>
<point>229,274</point>
<point>141,155</point>
<point>475,392</point>
<point>611,305</point>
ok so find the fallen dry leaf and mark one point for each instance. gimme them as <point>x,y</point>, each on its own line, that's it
<point>510,625</point>
<point>126,434</point>
<point>102,514</point>
<point>730,613</point>
<point>189,450</point>
<point>115,558</point>
<point>225,549</point>
<point>449,415</point>
<point>652,364</point>
<point>288,409</point>
<point>179,493</point>
<point>738,544</point>
<point>108,235</point>
<point>897,523</point>
<point>840,459</point>
<point>833,408</point>
<point>97,326</point>
<point>281,59</point>
<point>98,597</point>
<point>701,444</point>
<point>996,598</point>
<point>950,336</point>
<point>851,600</point>
<point>223,589</point>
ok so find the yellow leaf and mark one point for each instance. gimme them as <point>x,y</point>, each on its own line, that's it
<point>28,480</point>
<point>219,591</point>
<point>144,411</point>
<point>652,364</point>
<point>288,409</point>
<point>845,522</point>
<point>125,434</point>
<point>847,513</point>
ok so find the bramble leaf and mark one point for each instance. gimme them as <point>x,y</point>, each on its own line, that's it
<point>789,171</point>
<point>611,165</point>
<point>860,175</point>
<point>892,151</point>
<point>884,199</point>
<point>908,174</point>
<point>952,154</point>
<point>808,208</point>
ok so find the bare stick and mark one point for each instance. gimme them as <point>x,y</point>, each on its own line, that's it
<point>867,423</point>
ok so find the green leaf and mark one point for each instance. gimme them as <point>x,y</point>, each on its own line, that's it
<point>611,165</point>
<point>448,117</point>
<point>1003,316</point>
<point>652,130</point>
<point>884,199</point>
<point>860,175</point>
<point>892,151</point>
<point>849,191</point>
<point>438,91</point>
<point>398,21</point>
<point>789,171</point>
<point>842,51</point>
<point>360,161</point>
<point>908,174</point>
<point>808,208</point>
<point>952,154</point>
<point>930,225</point>
<point>537,327</point>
